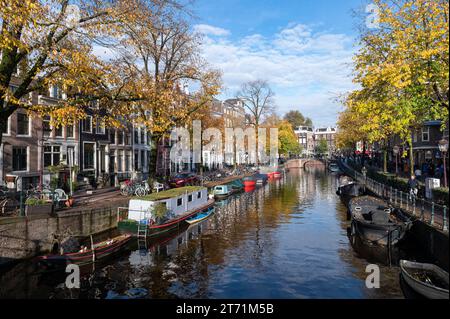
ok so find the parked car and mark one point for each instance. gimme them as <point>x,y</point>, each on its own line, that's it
<point>184,179</point>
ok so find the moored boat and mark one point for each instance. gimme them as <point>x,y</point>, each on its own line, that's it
<point>223,191</point>
<point>349,191</point>
<point>427,280</point>
<point>261,179</point>
<point>333,167</point>
<point>159,213</point>
<point>374,221</point>
<point>200,216</point>
<point>86,254</point>
<point>277,174</point>
<point>249,181</point>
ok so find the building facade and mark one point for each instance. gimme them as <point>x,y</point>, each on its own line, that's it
<point>305,135</point>
<point>327,134</point>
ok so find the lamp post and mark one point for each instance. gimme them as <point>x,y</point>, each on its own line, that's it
<point>396,150</point>
<point>443,148</point>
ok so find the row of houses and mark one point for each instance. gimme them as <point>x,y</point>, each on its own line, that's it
<point>310,138</point>
<point>32,149</point>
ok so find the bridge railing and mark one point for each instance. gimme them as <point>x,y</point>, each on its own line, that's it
<point>428,211</point>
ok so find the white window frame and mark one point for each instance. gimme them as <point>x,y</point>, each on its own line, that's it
<point>83,129</point>
<point>8,127</point>
<point>427,131</point>
<point>54,129</point>
<point>52,153</point>
<point>84,153</point>
<point>74,135</point>
<point>28,160</point>
<point>101,126</point>
<point>29,125</point>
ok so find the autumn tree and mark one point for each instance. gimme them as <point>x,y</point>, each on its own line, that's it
<point>297,119</point>
<point>401,70</point>
<point>43,43</point>
<point>163,57</point>
<point>288,143</point>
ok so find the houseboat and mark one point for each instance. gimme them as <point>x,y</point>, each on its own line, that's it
<point>160,213</point>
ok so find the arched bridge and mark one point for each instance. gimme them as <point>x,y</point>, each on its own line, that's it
<point>304,163</point>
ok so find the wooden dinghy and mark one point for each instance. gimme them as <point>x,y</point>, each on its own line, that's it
<point>374,221</point>
<point>427,280</point>
<point>86,255</point>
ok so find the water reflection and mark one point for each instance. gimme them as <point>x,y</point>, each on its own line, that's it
<point>286,239</point>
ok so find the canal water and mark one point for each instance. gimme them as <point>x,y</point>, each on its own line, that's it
<point>288,239</point>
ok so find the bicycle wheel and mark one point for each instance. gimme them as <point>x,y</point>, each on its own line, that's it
<point>139,192</point>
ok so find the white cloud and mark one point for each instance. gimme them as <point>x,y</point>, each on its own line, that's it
<point>210,30</point>
<point>307,69</point>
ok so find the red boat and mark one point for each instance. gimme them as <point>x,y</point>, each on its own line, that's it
<point>86,255</point>
<point>271,175</point>
<point>277,174</point>
<point>249,182</point>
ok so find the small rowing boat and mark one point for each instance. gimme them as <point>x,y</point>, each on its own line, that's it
<point>428,280</point>
<point>86,255</point>
<point>374,221</point>
<point>200,216</point>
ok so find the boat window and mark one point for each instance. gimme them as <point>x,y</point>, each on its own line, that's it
<point>190,198</point>
<point>179,201</point>
<point>199,195</point>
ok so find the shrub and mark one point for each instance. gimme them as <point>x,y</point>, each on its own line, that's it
<point>35,202</point>
<point>440,195</point>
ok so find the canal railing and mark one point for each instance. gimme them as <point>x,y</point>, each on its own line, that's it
<point>429,212</point>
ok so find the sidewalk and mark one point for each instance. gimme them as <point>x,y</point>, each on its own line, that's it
<point>430,213</point>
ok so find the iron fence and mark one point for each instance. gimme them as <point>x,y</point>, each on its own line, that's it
<point>428,211</point>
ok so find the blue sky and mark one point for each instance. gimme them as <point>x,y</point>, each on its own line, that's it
<point>303,48</point>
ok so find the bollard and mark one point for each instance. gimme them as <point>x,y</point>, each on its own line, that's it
<point>445,219</point>
<point>401,199</point>
<point>432,214</point>
<point>390,194</point>
<point>422,213</point>
<point>22,213</point>
<point>408,198</point>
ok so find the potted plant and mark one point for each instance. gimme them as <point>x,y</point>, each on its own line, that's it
<point>37,206</point>
<point>69,202</point>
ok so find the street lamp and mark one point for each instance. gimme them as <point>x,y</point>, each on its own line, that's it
<point>396,150</point>
<point>443,148</point>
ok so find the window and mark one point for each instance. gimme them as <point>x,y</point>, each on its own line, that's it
<point>127,138</point>
<point>100,128</point>
<point>128,162</point>
<point>199,195</point>
<point>179,202</point>
<point>142,136</point>
<point>120,161</point>
<point>5,129</point>
<point>142,159</point>
<point>70,131</point>
<point>56,92</point>
<point>86,124</point>
<point>120,138</point>
<point>46,125</point>
<point>88,156</point>
<point>23,124</point>
<point>190,198</point>
<point>52,155</point>
<point>136,160</point>
<point>59,131</point>
<point>19,158</point>
<point>426,134</point>
<point>112,136</point>
<point>136,137</point>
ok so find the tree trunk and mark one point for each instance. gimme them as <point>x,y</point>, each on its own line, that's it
<point>411,158</point>
<point>385,170</point>
<point>152,165</point>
